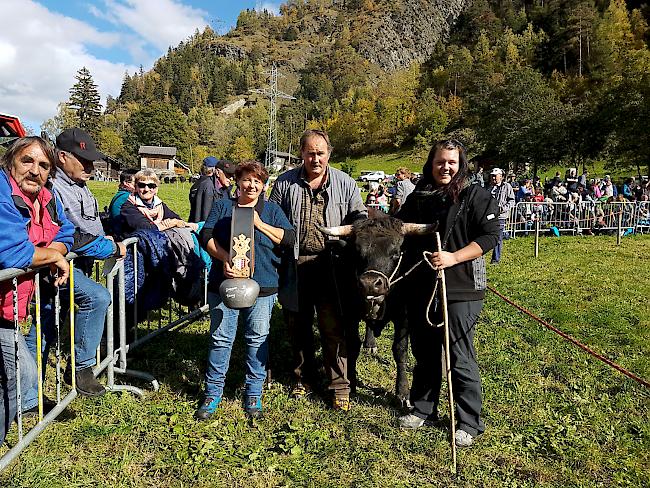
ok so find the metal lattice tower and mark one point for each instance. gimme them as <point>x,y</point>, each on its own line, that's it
<point>273,93</point>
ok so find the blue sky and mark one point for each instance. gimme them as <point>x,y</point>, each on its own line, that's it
<point>43,43</point>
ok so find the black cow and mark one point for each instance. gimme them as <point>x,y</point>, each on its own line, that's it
<point>372,263</point>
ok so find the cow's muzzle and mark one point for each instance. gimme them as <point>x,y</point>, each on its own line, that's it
<point>374,283</point>
<point>374,286</point>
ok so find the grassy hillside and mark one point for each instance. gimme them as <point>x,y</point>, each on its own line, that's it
<point>555,416</point>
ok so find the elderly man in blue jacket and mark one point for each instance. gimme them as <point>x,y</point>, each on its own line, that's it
<point>31,236</point>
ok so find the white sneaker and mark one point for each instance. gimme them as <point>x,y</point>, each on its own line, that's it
<point>463,439</point>
<point>412,421</point>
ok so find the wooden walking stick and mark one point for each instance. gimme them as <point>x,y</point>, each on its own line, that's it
<point>450,392</point>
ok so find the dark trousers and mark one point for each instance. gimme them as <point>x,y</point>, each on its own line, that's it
<point>427,345</point>
<point>318,293</point>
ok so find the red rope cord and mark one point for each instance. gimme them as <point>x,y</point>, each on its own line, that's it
<point>570,339</point>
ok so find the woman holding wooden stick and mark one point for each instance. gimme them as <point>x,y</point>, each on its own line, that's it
<point>468,224</point>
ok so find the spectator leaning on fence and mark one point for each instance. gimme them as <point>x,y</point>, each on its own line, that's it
<point>35,233</point>
<point>312,195</point>
<point>214,184</point>
<point>145,210</point>
<point>503,193</point>
<point>272,231</point>
<point>75,153</point>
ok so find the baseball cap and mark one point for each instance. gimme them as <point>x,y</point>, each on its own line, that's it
<point>210,162</point>
<point>78,142</point>
<point>227,167</point>
<point>496,171</point>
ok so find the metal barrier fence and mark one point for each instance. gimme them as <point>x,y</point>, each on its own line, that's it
<point>579,218</point>
<point>115,360</point>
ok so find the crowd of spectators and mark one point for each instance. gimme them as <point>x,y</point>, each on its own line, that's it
<point>576,202</point>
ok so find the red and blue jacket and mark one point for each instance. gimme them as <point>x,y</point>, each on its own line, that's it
<point>20,234</point>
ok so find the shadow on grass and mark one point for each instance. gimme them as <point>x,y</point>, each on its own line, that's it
<point>178,358</point>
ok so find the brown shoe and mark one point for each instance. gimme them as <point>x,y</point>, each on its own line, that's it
<point>342,404</point>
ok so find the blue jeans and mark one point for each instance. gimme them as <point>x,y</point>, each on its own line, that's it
<point>92,300</point>
<point>28,375</point>
<point>223,328</point>
<point>496,253</point>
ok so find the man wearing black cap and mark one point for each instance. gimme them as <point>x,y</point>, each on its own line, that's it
<point>213,185</point>
<point>75,154</point>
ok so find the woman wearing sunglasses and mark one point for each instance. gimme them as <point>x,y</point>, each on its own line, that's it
<point>145,210</point>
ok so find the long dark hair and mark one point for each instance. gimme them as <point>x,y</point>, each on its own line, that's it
<point>460,180</point>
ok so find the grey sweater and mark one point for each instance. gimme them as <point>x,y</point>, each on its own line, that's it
<point>343,200</point>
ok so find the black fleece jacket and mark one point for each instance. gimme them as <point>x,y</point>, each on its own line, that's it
<point>477,221</point>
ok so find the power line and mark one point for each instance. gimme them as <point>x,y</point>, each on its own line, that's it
<point>273,94</point>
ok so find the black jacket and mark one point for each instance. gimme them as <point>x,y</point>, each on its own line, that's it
<point>203,194</point>
<point>476,218</point>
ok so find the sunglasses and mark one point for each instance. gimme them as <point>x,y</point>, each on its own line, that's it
<point>151,186</point>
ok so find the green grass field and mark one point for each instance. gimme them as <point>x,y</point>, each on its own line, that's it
<point>555,416</point>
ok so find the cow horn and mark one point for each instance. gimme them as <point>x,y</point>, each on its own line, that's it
<point>338,231</point>
<point>418,229</point>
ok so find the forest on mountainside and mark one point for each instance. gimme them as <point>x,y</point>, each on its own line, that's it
<point>522,83</point>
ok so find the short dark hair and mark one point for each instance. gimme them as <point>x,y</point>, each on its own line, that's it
<point>309,133</point>
<point>127,175</point>
<point>253,167</point>
<point>7,159</point>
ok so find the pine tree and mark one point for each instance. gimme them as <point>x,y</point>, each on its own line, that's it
<point>84,100</point>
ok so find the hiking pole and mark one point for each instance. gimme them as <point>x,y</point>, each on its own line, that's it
<point>450,392</point>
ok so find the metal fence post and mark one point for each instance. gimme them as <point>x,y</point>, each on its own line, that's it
<point>537,236</point>
<point>19,396</point>
<point>39,344</point>
<point>73,364</point>
<point>619,226</point>
<point>122,318</point>
<point>110,340</point>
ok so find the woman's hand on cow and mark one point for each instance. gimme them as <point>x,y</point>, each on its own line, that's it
<point>442,259</point>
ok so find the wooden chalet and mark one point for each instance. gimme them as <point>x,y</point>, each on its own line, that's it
<point>158,158</point>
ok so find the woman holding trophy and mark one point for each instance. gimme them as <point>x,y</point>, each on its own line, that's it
<point>242,236</point>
